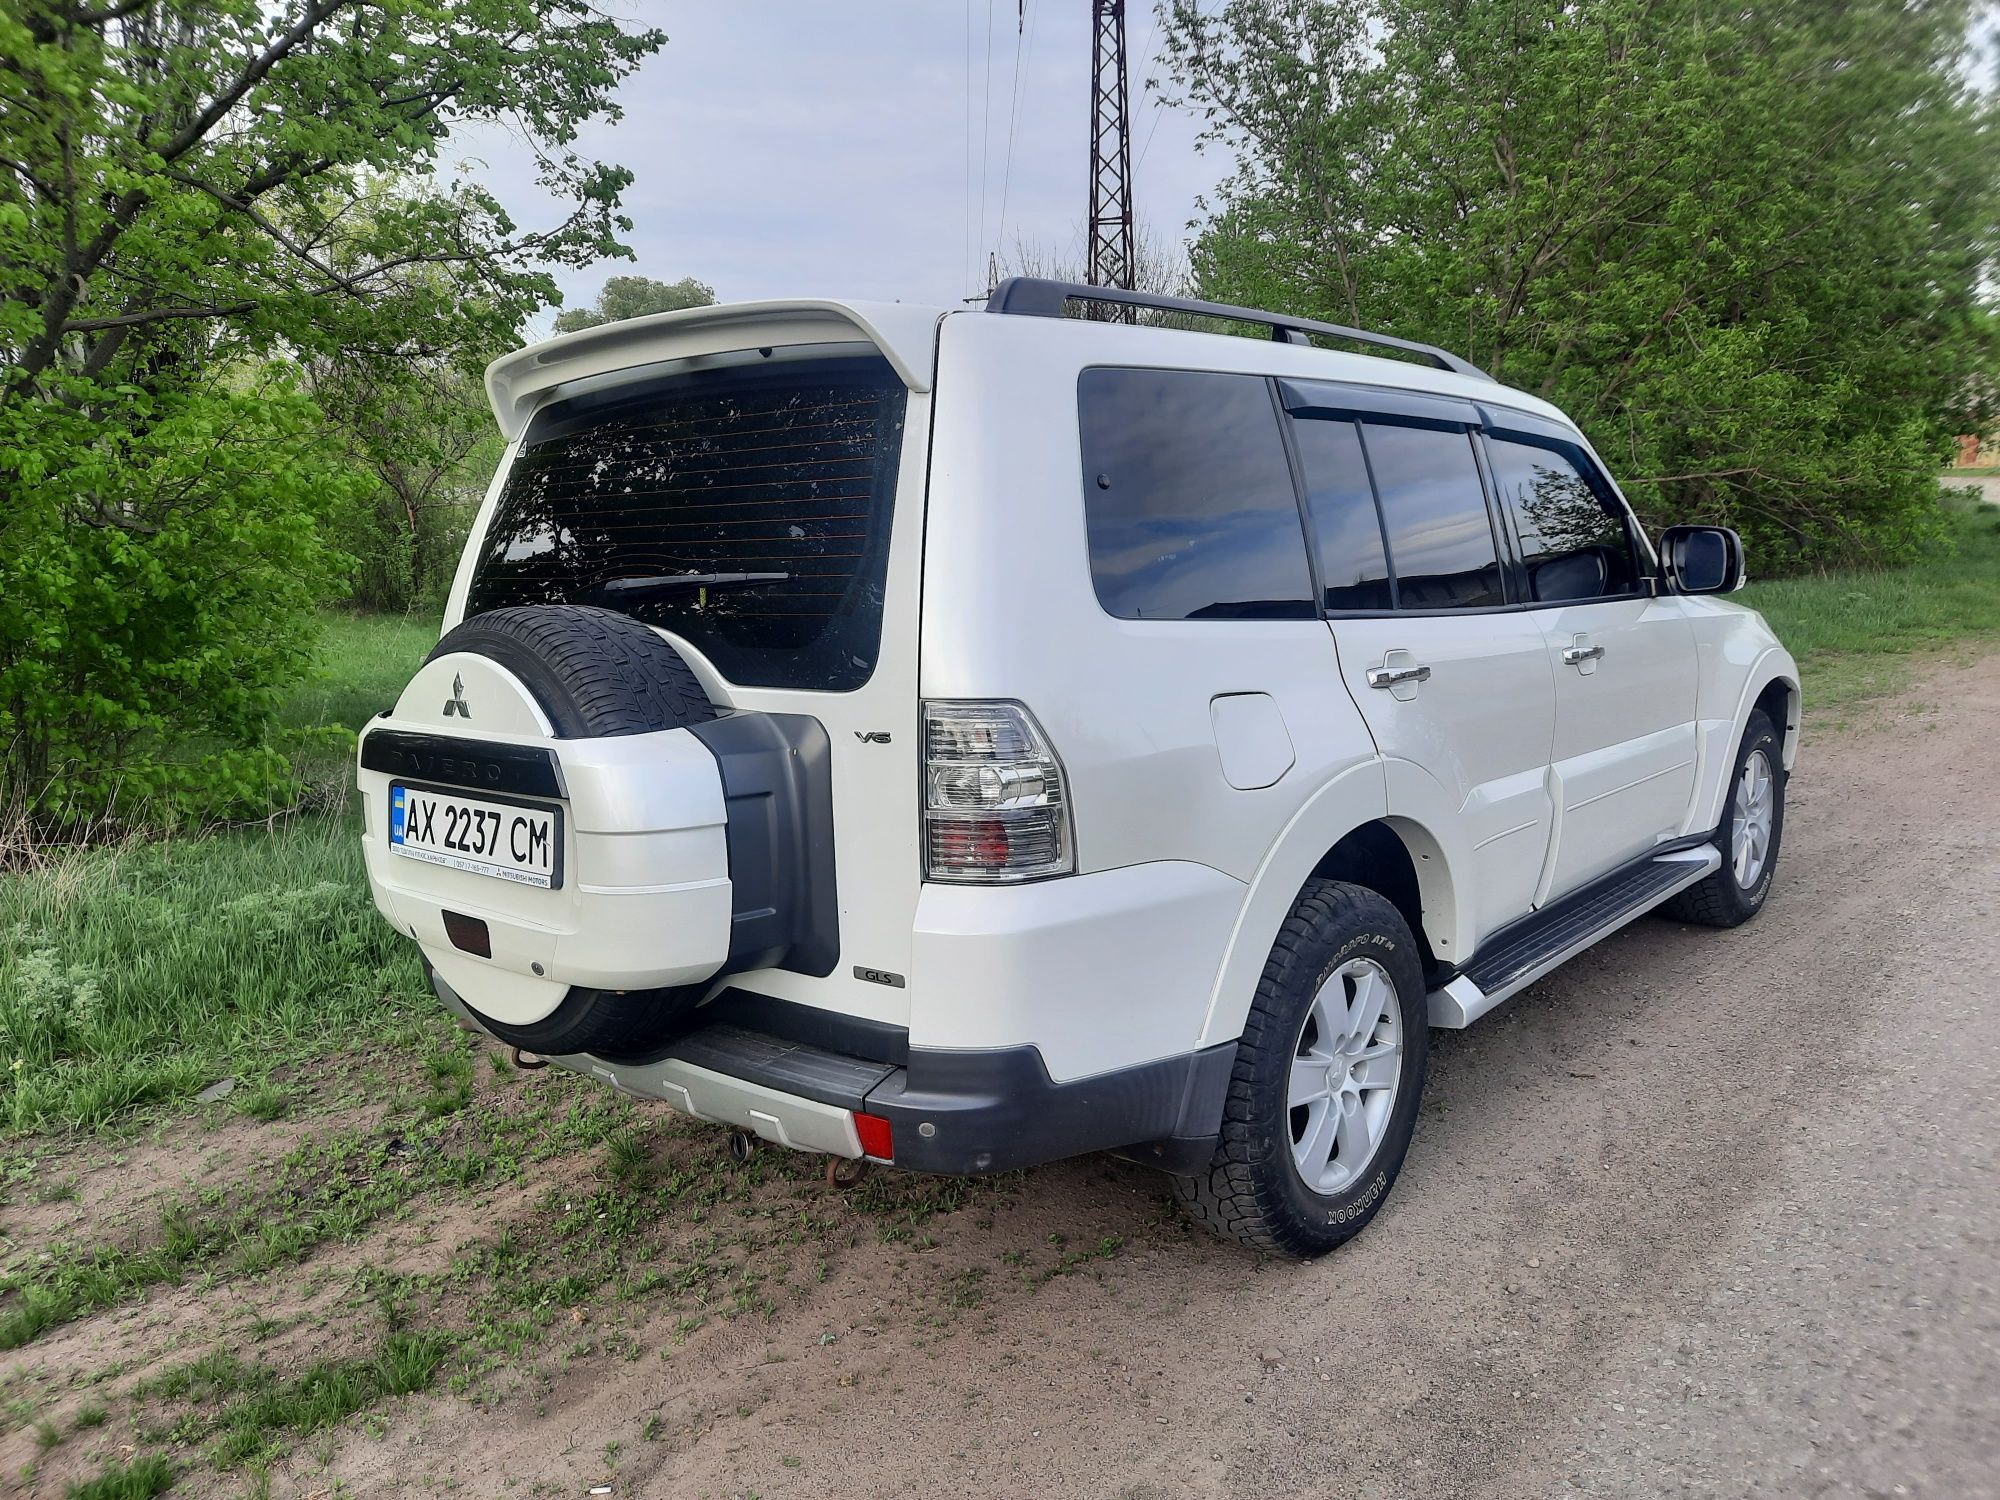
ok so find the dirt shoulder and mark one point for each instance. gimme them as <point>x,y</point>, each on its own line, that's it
<point>1700,1213</point>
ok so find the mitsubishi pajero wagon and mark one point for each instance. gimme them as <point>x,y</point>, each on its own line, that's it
<point>963,738</point>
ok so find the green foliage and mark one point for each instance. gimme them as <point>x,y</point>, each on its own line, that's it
<point>198,202</point>
<point>321,1396</point>
<point>153,573</point>
<point>421,429</point>
<point>1742,245</point>
<point>635,297</point>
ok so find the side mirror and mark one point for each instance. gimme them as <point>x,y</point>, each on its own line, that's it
<point>1702,559</point>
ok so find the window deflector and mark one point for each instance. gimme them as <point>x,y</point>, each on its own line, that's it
<point>1320,398</point>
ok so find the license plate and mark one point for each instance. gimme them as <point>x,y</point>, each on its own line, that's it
<point>515,841</point>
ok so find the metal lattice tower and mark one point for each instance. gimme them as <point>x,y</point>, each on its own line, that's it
<point>1111,256</point>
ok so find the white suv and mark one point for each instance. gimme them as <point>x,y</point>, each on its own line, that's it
<point>967,738</point>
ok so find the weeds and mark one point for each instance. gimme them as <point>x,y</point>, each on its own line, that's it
<point>261,1407</point>
<point>141,1479</point>
<point>630,1159</point>
<point>450,1076</point>
<point>266,1102</point>
<point>323,1190</point>
<point>136,976</point>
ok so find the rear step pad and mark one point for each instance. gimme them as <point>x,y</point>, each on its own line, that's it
<point>789,1067</point>
<point>1561,931</point>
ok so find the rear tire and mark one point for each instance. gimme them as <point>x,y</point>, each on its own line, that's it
<point>1753,825</point>
<point>1342,953</point>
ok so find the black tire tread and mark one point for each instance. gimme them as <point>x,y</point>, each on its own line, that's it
<point>1230,1197</point>
<point>597,673</point>
<point>1715,901</point>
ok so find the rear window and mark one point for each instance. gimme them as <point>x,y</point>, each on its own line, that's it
<point>1188,498</point>
<point>745,509</point>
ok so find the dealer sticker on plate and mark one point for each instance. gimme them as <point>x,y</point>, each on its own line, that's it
<point>509,840</point>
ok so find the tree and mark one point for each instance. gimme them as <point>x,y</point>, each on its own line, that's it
<point>421,430</point>
<point>191,213</point>
<point>1742,245</point>
<point>635,297</point>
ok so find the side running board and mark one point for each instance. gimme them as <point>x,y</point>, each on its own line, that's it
<point>1519,954</point>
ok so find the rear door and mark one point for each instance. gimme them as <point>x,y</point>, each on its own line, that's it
<point>1456,686</point>
<point>1623,761</point>
<point>763,509</point>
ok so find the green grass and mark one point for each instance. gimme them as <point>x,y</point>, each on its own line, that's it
<point>332,1186</point>
<point>142,974</point>
<point>1850,630</point>
<point>263,1408</point>
<point>364,661</point>
<point>141,1479</point>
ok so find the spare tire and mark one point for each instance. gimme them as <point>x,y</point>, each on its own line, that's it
<point>595,674</point>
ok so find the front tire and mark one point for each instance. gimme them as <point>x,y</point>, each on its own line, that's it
<point>1753,825</point>
<point>1328,1078</point>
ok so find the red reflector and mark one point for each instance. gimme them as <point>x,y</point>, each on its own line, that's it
<point>875,1136</point>
<point>468,934</point>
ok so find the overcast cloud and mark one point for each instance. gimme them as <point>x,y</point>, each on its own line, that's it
<point>791,148</point>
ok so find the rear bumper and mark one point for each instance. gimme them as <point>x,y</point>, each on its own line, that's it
<point>993,1110</point>
<point>960,1111</point>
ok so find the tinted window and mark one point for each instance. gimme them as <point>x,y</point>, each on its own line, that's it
<point>1188,498</point>
<point>783,472</point>
<point>1347,527</point>
<point>1440,541</point>
<point>1573,539</point>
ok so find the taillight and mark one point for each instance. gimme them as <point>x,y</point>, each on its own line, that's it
<point>994,809</point>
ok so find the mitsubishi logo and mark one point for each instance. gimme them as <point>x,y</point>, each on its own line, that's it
<point>455,704</point>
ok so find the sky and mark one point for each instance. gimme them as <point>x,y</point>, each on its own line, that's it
<point>861,148</point>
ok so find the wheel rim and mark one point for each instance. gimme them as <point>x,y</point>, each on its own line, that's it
<point>1755,814</point>
<point>1346,1068</point>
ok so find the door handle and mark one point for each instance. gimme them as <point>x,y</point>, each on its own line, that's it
<point>1388,677</point>
<point>1577,655</point>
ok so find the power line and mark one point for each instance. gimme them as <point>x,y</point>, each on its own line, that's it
<point>985,126</point>
<point>965,250</point>
<point>1159,112</point>
<point>1014,111</point>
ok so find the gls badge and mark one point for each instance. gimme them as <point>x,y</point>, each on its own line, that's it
<point>455,704</point>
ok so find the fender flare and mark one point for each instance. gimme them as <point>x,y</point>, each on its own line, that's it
<point>1720,737</point>
<point>1351,800</point>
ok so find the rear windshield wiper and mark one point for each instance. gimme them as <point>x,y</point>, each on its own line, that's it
<point>663,583</point>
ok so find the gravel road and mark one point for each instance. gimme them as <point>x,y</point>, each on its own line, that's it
<point>1985,486</point>
<point>1701,1214</point>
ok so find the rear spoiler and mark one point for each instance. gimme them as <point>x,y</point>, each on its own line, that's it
<point>906,335</point>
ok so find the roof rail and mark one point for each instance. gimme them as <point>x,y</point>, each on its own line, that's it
<point>1034,297</point>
